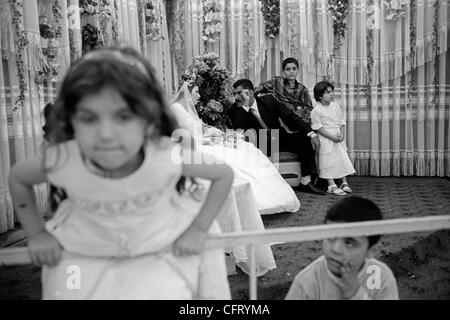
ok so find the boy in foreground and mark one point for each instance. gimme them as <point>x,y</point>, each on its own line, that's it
<point>346,271</point>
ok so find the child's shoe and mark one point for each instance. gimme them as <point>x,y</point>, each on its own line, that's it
<point>346,188</point>
<point>335,190</point>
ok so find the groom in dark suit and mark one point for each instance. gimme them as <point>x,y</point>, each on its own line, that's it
<point>249,112</point>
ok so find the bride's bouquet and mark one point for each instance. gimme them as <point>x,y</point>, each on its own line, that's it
<point>214,83</point>
<point>213,114</point>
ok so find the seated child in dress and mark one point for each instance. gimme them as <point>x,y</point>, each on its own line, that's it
<point>346,271</point>
<point>329,122</point>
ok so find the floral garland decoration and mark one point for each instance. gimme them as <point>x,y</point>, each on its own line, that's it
<point>141,23</point>
<point>412,53</point>
<point>369,46</point>
<point>295,34</point>
<point>90,34</point>
<point>115,25</point>
<point>271,13</point>
<point>21,42</point>
<point>245,68</point>
<point>153,22</point>
<point>211,22</point>
<point>436,50</point>
<point>105,19</point>
<point>57,15</point>
<point>213,82</point>
<point>163,53</point>
<point>317,38</point>
<point>395,9</point>
<point>339,11</point>
<point>50,34</point>
<point>73,20</point>
<point>178,35</point>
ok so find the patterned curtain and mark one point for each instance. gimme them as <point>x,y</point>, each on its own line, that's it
<point>128,23</point>
<point>26,85</point>
<point>154,37</point>
<point>240,44</point>
<point>389,73</point>
<point>38,41</point>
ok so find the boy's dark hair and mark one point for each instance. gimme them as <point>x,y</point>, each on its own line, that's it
<point>320,88</point>
<point>244,83</point>
<point>355,209</point>
<point>289,60</point>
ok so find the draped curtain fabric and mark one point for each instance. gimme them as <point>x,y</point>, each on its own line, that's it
<point>392,82</point>
<point>156,48</point>
<point>396,103</point>
<point>241,45</point>
<point>128,23</point>
<point>400,125</point>
<point>21,125</point>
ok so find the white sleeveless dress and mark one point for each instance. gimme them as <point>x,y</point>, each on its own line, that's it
<point>118,233</point>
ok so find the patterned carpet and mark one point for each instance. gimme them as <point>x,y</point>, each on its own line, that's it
<point>420,261</point>
<point>397,198</point>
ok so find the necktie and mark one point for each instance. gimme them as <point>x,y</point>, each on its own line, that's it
<point>258,117</point>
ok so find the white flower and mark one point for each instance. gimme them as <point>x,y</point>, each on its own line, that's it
<point>90,9</point>
<point>395,5</point>
<point>108,10</point>
<point>53,43</point>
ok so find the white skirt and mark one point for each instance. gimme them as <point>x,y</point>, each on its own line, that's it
<point>334,162</point>
<point>151,277</point>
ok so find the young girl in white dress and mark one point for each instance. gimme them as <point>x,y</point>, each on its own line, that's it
<point>327,118</point>
<point>129,227</point>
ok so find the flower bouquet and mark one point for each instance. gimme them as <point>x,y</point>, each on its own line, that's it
<point>271,13</point>
<point>395,9</point>
<point>214,83</point>
<point>212,25</point>
<point>153,22</point>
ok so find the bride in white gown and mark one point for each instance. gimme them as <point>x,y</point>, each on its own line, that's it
<point>271,191</point>
<point>268,192</point>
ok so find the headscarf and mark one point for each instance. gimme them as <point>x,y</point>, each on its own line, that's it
<point>184,97</point>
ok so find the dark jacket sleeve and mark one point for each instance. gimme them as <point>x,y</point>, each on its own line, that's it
<point>291,119</point>
<point>238,117</point>
<point>306,99</point>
